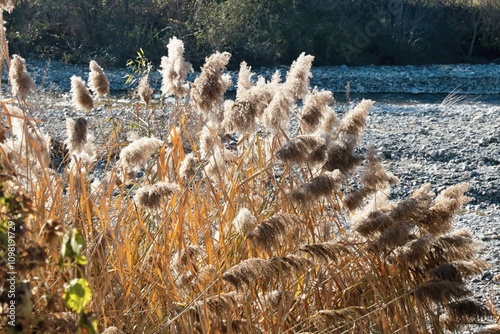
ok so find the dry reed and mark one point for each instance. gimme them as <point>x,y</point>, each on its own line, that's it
<point>261,234</point>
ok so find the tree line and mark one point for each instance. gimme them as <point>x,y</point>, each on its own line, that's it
<point>262,32</point>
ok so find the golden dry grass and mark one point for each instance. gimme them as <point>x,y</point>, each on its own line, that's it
<point>187,234</point>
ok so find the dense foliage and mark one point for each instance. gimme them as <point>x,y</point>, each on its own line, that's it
<point>263,32</point>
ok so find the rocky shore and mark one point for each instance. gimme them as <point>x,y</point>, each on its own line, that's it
<point>430,79</point>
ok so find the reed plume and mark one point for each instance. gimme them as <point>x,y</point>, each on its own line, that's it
<point>341,155</point>
<point>458,271</point>
<point>409,210</point>
<point>80,95</point>
<point>8,5</point>
<point>438,219</point>
<point>144,90</point>
<point>208,89</point>
<point>187,169</point>
<point>325,320</point>
<point>269,232</point>
<point>239,116</point>
<point>441,292</point>
<point>244,222</point>
<point>174,70</point>
<point>20,80</point>
<point>222,303</point>
<point>296,85</point>
<point>256,271</point>
<point>244,82</point>
<point>373,179</point>
<point>151,197</point>
<point>465,312</point>
<point>304,149</point>
<point>322,185</point>
<point>77,134</point>
<point>316,111</point>
<point>135,155</point>
<point>80,145</point>
<point>277,113</point>
<point>208,141</point>
<point>98,81</point>
<point>355,120</point>
<point>297,79</point>
<point>326,251</point>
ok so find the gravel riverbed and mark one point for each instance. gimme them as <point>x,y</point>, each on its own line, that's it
<point>422,136</point>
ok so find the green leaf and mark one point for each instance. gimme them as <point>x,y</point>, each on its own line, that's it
<point>77,294</point>
<point>72,247</point>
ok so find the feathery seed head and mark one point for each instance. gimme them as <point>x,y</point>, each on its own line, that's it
<point>322,185</point>
<point>355,120</point>
<point>438,219</point>
<point>239,115</point>
<point>174,70</point>
<point>20,80</point>
<point>136,154</point>
<point>244,222</point>
<point>77,134</point>
<point>269,232</point>
<point>340,154</point>
<point>98,81</point>
<point>80,95</point>
<point>187,170</point>
<point>277,113</point>
<point>208,141</point>
<point>144,90</point>
<point>8,5</point>
<point>244,79</point>
<point>316,109</point>
<point>297,80</point>
<point>209,87</point>
<point>152,196</point>
<point>304,149</point>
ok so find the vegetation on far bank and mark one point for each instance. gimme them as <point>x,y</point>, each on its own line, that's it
<point>261,32</point>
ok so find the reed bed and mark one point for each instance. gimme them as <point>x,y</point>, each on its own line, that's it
<point>219,219</point>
